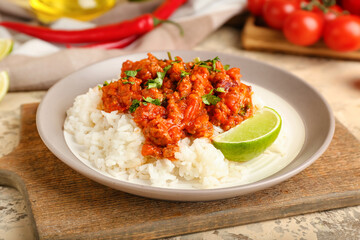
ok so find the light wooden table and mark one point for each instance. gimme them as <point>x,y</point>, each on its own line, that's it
<point>338,81</point>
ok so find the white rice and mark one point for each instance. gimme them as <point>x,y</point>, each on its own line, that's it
<point>112,143</point>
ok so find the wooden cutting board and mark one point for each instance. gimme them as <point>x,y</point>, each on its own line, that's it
<point>65,205</point>
<point>256,36</point>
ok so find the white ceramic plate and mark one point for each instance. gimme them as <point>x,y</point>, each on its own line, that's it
<point>305,114</point>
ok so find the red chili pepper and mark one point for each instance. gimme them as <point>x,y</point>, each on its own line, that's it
<point>167,8</point>
<point>111,36</point>
<point>112,45</point>
<point>136,26</point>
<point>164,11</point>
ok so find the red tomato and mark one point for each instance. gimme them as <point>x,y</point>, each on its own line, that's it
<point>353,6</point>
<point>332,13</point>
<point>256,6</point>
<point>343,33</point>
<point>276,11</point>
<point>303,28</point>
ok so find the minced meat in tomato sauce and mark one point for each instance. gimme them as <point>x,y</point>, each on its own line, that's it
<point>173,99</point>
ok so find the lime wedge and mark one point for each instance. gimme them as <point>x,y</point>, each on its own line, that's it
<point>4,84</point>
<point>250,138</point>
<point>6,46</point>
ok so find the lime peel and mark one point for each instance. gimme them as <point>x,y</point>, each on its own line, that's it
<point>250,138</point>
<point>4,84</point>
<point>6,46</point>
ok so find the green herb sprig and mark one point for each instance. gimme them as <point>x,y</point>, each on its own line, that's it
<point>126,82</point>
<point>152,100</point>
<point>220,89</point>
<point>205,64</point>
<point>131,73</point>
<point>210,99</point>
<point>184,73</point>
<point>157,82</point>
<point>136,103</point>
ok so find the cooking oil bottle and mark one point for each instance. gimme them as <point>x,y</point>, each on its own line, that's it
<point>50,10</point>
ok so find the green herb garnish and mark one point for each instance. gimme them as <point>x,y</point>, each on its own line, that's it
<point>197,60</point>
<point>205,66</point>
<point>226,67</point>
<point>184,74</point>
<point>134,105</point>
<point>210,99</point>
<point>214,63</point>
<point>157,82</point>
<point>106,83</point>
<point>152,100</point>
<point>169,56</point>
<point>167,68</point>
<point>131,73</point>
<point>220,89</point>
<point>154,83</point>
<point>132,83</point>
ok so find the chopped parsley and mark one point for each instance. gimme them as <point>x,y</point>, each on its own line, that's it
<point>216,59</point>
<point>169,56</point>
<point>154,83</point>
<point>131,73</point>
<point>152,100</point>
<point>220,89</point>
<point>134,105</point>
<point>167,68</point>
<point>184,73</point>
<point>205,64</point>
<point>157,82</point>
<point>210,99</point>
<point>132,83</point>
<point>197,60</point>
<point>243,111</point>
<point>214,63</point>
<point>226,67</point>
<point>104,84</point>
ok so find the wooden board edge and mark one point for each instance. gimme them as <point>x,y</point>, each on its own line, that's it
<point>266,39</point>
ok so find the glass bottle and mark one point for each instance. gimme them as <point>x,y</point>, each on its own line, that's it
<point>50,10</point>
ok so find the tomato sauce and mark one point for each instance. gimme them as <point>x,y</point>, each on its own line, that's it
<point>173,99</point>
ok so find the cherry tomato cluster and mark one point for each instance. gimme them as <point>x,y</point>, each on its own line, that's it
<point>305,22</point>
